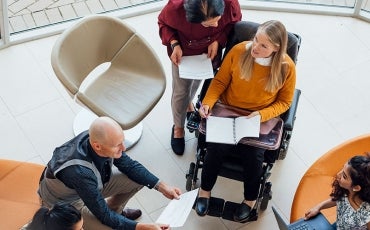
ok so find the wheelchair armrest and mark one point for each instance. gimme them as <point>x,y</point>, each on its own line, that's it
<point>289,116</point>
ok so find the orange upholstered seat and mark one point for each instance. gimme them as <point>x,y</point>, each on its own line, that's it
<point>315,185</point>
<point>18,194</point>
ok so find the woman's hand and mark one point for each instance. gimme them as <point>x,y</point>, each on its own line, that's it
<point>176,55</point>
<point>323,205</point>
<point>212,50</point>
<point>204,111</point>
<point>312,212</point>
<point>255,113</point>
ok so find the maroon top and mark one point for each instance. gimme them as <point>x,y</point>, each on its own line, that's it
<point>193,37</point>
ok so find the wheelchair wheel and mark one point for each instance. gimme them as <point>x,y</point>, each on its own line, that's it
<point>267,195</point>
<point>282,154</point>
<point>284,146</point>
<point>189,177</point>
<point>196,133</point>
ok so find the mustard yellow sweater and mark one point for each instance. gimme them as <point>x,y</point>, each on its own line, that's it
<point>251,95</point>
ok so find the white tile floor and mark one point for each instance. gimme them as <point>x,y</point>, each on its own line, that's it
<point>36,114</point>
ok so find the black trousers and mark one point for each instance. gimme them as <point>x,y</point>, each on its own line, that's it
<point>251,159</point>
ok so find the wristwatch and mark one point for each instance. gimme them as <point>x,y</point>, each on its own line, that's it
<point>173,45</point>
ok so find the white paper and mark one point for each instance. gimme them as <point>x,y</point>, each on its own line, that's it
<point>220,130</point>
<point>177,211</point>
<point>247,127</point>
<point>196,67</point>
<point>230,130</point>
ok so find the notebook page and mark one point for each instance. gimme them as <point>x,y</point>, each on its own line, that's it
<point>247,127</point>
<point>220,130</point>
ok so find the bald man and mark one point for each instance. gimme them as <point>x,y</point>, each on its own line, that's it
<point>81,173</point>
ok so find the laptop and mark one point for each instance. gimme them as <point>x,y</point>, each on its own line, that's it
<point>318,222</point>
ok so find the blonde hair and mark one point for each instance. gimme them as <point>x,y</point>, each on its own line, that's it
<point>277,35</point>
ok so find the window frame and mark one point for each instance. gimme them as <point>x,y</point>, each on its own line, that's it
<point>8,39</point>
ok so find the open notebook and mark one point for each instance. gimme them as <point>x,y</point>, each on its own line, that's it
<point>229,130</point>
<point>269,135</point>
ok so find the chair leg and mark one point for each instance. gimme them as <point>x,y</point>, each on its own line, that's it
<point>85,117</point>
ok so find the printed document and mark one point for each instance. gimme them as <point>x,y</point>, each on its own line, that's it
<point>197,67</point>
<point>230,130</point>
<point>177,211</point>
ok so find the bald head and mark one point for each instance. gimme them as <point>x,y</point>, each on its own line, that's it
<point>103,129</point>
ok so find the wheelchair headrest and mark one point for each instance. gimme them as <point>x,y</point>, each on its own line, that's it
<point>245,31</point>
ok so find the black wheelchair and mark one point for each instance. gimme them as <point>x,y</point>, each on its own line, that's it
<point>231,167</point>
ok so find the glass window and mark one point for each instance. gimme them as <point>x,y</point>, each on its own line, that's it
<point>343,3</point>
<point>30,14</point>
<point>2,18</point>
<point>366,6</point>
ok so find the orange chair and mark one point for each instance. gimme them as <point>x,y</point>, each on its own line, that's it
<point>315,185</point>
<point>18,194</point>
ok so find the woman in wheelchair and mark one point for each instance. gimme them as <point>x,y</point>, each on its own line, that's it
<point>257,76</point>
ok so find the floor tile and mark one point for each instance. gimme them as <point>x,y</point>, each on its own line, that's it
<point>36,113</point>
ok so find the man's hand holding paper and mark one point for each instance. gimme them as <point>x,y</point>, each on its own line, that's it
<point>177,211</point>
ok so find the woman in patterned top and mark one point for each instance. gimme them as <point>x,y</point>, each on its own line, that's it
<point>351,195</point>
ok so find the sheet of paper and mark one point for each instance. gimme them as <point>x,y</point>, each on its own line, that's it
<point>177,211</point>
<point>247,127</point>
<point>196,67</point>
<point>220,130</point>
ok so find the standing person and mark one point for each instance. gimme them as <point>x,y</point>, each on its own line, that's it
<point>193,27</point>
<point>59,217</point>
<point>257,76</point>
<point>351,195</point>
<point>80,173</point>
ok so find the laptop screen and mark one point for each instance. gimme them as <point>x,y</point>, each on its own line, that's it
<point>281,223</point>
<point>318,222</point>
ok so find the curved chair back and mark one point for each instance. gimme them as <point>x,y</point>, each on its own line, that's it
<point>19,200</point>
<point>132,85</point>
<point>315,185</point>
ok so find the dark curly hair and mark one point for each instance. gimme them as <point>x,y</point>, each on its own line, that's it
<point>61,217</point>
<point>359,171</point>
<point>198,11</point>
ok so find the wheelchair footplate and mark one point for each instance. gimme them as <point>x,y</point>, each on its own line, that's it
<point>225,209</point>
